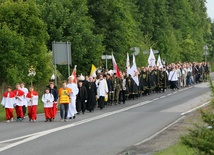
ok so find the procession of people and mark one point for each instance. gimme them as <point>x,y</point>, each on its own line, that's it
<point>100,90</point>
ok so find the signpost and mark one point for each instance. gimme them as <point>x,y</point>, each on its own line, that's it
<point>205,52</point>
<point>147,51</point>
<point>136,49</point>
<point>106,57</point>
<point>61,55</point>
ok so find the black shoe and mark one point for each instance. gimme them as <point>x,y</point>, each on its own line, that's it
<point>83,113</point>
<point>74,117</point>
<point>46,120</point>
<point>50,119</point>
<point>70,117</point>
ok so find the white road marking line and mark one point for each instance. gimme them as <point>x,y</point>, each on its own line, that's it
<point>157,133</point>
<point>154,99</point>
<point>196,108</point>
<point>162,97</point>
<point>31,137</point>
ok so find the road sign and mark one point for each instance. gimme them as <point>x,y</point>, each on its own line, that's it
<point>136,49</point>
<point>61,55</point>
<point>147,51</point>
<point>205,53</point>
<point>106,57</point>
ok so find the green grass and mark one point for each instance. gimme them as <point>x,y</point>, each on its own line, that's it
<point>177,149</point>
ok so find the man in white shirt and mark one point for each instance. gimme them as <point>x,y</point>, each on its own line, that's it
<point>102,91</point>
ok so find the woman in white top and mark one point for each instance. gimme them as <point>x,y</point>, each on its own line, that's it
<point>173,78</point>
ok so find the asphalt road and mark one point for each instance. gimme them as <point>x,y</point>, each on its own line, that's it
<point>103,132</point>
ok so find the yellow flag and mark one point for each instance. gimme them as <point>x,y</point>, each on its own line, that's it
<point>93,70</point>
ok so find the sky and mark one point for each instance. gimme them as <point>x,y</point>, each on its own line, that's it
<point>210,8</point>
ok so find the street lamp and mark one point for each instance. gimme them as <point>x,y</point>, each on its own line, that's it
<point>205,52</point>
<point>31,73</point>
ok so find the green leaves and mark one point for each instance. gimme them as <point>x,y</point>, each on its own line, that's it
<point>177,28</point>
<point>22,42</point>
<point>69,21</point>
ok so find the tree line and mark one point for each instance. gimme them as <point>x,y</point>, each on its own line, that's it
<point>177,28</point>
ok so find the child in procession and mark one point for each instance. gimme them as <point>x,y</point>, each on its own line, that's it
<point>8,101</point>
<point>19,102</point>
<point>47,99</point>
<point>32,101</point>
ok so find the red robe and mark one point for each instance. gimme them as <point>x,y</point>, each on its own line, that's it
<point>32,98</point>
<point>8,102</point>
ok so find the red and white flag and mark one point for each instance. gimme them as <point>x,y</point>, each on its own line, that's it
<point>151,60</point>
<point>116,69</point>
<point>74,74</point>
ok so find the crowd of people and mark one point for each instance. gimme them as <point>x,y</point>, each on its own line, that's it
<point>105,89</point>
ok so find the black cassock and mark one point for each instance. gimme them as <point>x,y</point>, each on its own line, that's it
<point>128,85</point>
<point>81,97</point>
<point>152,78</point>
<point>141,82</point>
<point>145,79</point>
<point>155,80</point>
<point>92,92</point>
<point>134,88</point>
<point>164,80</point>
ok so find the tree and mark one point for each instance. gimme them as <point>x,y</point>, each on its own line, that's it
<point>22,42</point>
<point>202,137</point>
<point>119,23</point>
<point>69,21</point>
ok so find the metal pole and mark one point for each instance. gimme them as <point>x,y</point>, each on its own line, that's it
<point>68,59</point>
<point>106,62</point>
<point>54,63</point>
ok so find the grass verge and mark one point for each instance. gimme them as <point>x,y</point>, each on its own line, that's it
<point>177,149</point>
<point>40,109</point>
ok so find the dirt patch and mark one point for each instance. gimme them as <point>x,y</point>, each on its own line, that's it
<point>167,138</point>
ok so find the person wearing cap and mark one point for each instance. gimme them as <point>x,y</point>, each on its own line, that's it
<point>72,105</point>
<point>19,102</point>
<point>32,101</point>
<point>47,99</point>
<point>64,100</point>
<point>8,102</point>
<point>117,86</point>
<point>82,97</point>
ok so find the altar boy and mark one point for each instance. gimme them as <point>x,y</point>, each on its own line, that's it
<point>32,101</point>
<point>8,102</point>
<point>47,99</point>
